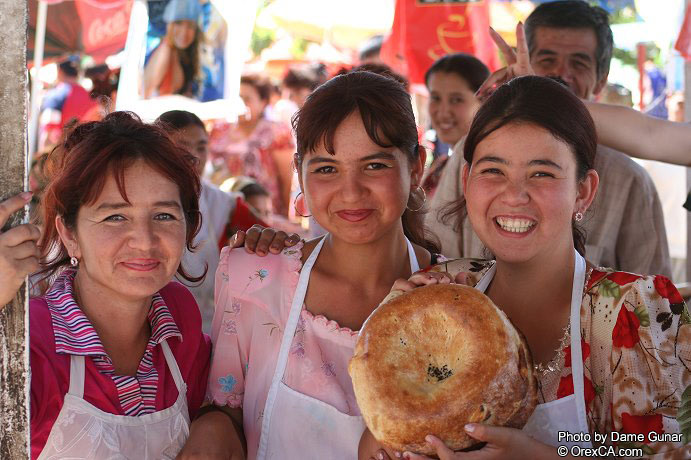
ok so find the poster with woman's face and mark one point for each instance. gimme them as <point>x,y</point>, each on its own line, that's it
<point>185,50</point>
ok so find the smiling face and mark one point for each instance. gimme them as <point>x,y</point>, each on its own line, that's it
<point>521,193</point>
<point>194,139</point>
<point>360,193</point>
<point>452,106</point>
<point>126,250</point>
<point>569,54</point>
<point>182,33</point>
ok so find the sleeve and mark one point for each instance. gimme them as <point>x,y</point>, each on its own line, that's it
<point>49,377</point>
<point>651,356</point>
<point>642,242</point>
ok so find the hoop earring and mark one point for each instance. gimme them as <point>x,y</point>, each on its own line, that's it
<point>74,262</point>
<point>295,205</point>
<point>578,216</point>
<point>424,199</point>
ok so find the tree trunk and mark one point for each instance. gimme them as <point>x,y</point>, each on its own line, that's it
<point>14,337</point>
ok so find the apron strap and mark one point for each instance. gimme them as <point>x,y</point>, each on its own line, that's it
<point>173,366</point>
<point>576,352</point>
<point>77,375</point>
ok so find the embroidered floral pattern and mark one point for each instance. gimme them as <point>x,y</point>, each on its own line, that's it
<point>227,383</point>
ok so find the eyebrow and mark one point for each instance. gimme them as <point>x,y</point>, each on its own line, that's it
<point>584,56</point>
<point>124,204</point>
<point>538,162</point>
<point>374,156</point>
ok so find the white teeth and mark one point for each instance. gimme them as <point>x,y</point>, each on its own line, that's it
<point>515,225</point>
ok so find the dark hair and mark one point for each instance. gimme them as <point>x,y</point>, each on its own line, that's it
<point>574,14</point>
<point>87,155</point>
<point>304,77</point>
<point>387,114</point>
<point>466,66</point>
<point>542,102</point>
<point>174,120</point>
<point>253,189</point>
<point>262,85</point>
<point>70,67</point>
<point>384,70</point>
<point>371,48</point>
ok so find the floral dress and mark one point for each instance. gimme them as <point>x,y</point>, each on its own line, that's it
<point>233,154</point>
<point>636,348</point>
<point>253,299</point>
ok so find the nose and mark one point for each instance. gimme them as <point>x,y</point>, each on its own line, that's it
<point>143,235</point>
<point>353,188</point>
<point>515,193</point>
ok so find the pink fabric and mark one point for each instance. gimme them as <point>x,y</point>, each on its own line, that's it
<point>51,371</point>
<point>253,299</point>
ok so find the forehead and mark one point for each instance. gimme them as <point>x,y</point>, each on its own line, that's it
<point>523,142</point>
<point>564,41</point>
<point>351,141</point>
<point>190,133</point>
<point>142,184</point>
<point>446,82</point>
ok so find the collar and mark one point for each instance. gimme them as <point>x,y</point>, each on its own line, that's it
<point>74,334</point>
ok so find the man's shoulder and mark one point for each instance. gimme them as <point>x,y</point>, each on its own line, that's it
<point>613,163</point>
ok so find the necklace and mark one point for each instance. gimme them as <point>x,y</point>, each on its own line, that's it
<point>541,369</point>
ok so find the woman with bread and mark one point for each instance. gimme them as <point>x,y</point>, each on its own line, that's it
<point>612,350</point>
<point>286,325</point>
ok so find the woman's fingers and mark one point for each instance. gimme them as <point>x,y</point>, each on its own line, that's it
<point>252,237</point>
<point>20,234</point>
<point>505,49</point>
<point>237,240</point>
<point>281,240</point>
<point>12,205</point>
<point>522,52</point>
<point>495,80</point>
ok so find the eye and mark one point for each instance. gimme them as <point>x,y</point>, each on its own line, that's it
<point>114,218</point>
<point>435,98</point>
<point>491,171</point>
<point>456,100</point>
<point>543,174</point>
<point>325,170</point>
<point>165,216</point>
<point>376,166</point>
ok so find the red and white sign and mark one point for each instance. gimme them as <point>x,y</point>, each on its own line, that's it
<point>425,30</point>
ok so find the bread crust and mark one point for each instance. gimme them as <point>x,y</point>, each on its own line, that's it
<point>433,359</point>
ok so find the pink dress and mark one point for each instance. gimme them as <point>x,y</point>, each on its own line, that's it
<point>253,299</point>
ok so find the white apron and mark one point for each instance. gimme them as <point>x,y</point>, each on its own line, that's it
<point>296,426</point>
<point>564,414</point>
<point>83,431</point>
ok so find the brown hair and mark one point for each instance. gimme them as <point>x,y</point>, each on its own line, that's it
<point>388,117</point>
<point>542,102</point>
<point>79,166</point>
<point>262,85</point>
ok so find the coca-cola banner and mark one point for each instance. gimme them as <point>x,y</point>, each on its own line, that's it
<point>425,30</point>
<point>104,25</point>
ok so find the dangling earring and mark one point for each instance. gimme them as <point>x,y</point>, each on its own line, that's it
<point>74,262</point>
<point>424,200</point>
<point>295,205</point>
<point>578,216</point>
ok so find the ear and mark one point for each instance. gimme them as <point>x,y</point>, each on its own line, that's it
<point>464,176</point>
<point>418,167</point>
<point>587,189</point>
<point>68,238</point>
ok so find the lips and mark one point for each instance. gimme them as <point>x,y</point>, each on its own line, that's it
<point>354,215</point>
<point>141,265</point>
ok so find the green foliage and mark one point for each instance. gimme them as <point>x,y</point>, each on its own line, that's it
<point>642,313</point>
<point>261,39</point>
<point>684,415</point>
<point>608,288</point>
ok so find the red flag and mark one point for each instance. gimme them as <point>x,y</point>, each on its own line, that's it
<point>683,44</point>
<point>425,30</point>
